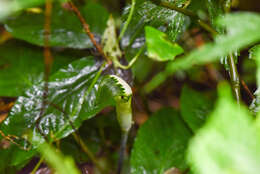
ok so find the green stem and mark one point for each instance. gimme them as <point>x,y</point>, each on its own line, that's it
<point>85,148</point>
<point>122,152</point>
<point>37,166</point>
<point>118,64</point>
<point>95,79</point>
<point>129,18</point>
<point>234,76</point>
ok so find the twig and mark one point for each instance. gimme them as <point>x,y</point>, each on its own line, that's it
<point>85,148</point>
<point>48,59</point>
<point>12,138</point>
<point>247,89</point>
<point>87,30</point>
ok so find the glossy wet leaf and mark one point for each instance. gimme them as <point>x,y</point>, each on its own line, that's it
<point>67,89</point>
<point>159,47</point>
<point>62,164</point>
<point>70,102</point>
<point>229,142</point>
<point>242,31</point>
<point>66,29</point>
<point>22,66</point>
<point>67,93</point>
<point>195,108</point>
<point>147,13</point>
<point>160,144</point>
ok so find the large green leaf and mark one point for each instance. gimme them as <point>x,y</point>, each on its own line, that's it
<point>67,90</point>
<point>147,13</point>
<point>160,144</point>
<point>66,29</point>
<point>22,66</point>
<point>229,143</point>
<point>70,101</point>
<point>195,108</point>
<point>242,31</point>
<point>158,47</point>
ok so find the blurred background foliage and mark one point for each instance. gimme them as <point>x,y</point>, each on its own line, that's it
<point>101,133</point>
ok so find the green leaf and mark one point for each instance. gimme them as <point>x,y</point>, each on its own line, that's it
<point>61,164</point>
<point>22,66</point>
<point>195,108</point>
<point>242,31</point>
<point>9,7</point>
<point>14,156</point>
<point>159,48</point>
<point>160,144</point>
<point>67,91</point>
<point>73,97</point>
<point>228,143</point>
<point>147,13</point>
<point>64,33</point>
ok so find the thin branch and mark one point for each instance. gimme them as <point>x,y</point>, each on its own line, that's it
<point>87,30</point>
<point>247,89</point>
<point>48,59</point>
<point>129,18</point>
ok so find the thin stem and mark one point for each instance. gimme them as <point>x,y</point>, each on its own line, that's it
<point>247,89</point>
<point>129,18</point>
<point>207,27</point>
<point>118,64</point>
<point>37,165</point>
<point>95,78</point>
<point>178,9</point>
<point>87,30</point>
<point>122,152</point>
<point>234,76</point>
<point>48,60</point>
